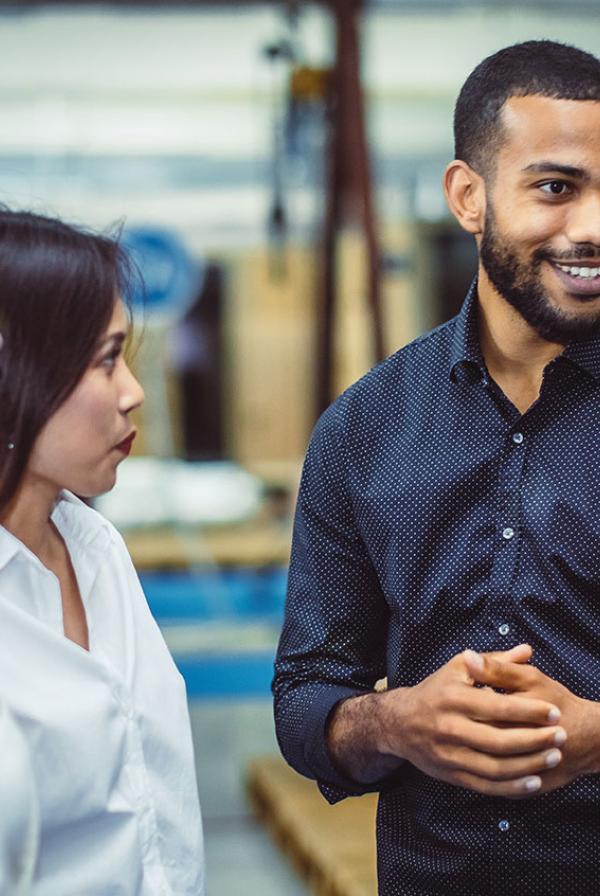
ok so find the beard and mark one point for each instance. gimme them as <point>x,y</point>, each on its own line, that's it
<point>520,284</point>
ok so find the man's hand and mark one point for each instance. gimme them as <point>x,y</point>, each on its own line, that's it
<point>472,737</point>
<point>579,718</point>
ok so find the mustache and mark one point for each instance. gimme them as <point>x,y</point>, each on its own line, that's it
<point>577,252</point>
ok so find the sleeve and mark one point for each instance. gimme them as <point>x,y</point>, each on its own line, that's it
<point>20,816</point>
<point>333,642</point>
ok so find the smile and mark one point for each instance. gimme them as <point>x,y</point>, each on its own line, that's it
<point>582,281</point>
<point>584,272</point>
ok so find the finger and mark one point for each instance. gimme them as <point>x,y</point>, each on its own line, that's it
<point>469,662</point>
<point>485,705</point>
<point>510,741</point>
<point>522,653</point>
<point>517,789</point>
<point>495,673</point>
<point>502,768</point>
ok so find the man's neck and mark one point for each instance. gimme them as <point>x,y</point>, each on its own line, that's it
<point>515,355</point>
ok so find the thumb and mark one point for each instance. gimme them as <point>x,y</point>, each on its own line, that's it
<point>522,653</point>
<point>475,662</point>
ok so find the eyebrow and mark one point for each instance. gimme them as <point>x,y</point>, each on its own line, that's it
<point>113,338</point>
<point>556,168</point>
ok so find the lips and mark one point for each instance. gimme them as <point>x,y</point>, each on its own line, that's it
<point>579,284</point>
<point>125,445</point>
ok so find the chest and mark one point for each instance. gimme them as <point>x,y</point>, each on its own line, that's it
<point>444,488</point>
<point>75,625</point>
<point>88,716</point>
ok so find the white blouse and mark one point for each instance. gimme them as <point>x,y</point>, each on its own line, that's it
<point>108,730</point>
<point>19,815</point>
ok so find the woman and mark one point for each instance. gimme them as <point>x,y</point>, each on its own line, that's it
<point>83,666</point>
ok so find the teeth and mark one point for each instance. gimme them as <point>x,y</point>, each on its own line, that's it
<point>586,273</point>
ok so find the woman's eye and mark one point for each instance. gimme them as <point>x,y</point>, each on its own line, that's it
<point>110,360</point>
<point>556,188</point>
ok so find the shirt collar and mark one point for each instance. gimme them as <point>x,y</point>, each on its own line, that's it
<point>466,359</point>
<point>76,522</point>
<point>9,547</point>
<point>586,355</point>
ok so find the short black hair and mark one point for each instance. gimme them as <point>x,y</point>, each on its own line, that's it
<point>58,287</point>
<point>532,68</point>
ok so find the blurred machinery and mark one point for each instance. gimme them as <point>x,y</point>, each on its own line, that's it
<point>334,96</point>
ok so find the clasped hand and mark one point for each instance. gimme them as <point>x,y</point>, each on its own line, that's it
<point>533,737</point>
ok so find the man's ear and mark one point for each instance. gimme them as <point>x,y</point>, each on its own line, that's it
<point>465,195</point>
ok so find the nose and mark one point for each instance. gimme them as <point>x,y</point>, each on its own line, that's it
<point>583,225</point>
<point>131,394</point>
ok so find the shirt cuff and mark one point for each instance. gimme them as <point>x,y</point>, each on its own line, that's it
<point>334,785</point>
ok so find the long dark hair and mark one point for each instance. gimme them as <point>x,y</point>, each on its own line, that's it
<point>58,287</point>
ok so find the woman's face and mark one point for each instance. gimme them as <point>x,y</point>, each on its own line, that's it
<point>84,441</point>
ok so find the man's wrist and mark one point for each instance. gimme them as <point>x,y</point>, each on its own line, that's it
<point>357,741</point>
<point>591,710</point>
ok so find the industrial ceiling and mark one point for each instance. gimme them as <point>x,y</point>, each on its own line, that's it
<point>591,6</point>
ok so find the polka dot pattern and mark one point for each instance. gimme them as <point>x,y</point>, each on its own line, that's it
<point>433,517</point>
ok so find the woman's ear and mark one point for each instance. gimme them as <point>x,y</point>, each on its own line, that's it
<point>465,195</point>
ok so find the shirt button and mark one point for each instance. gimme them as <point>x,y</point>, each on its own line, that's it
<point>504,628</point>
<point>508,533</point>
<point>517,437</point>
<point>504,825</point>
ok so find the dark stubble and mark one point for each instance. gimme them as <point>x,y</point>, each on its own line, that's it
<point>520,283</point>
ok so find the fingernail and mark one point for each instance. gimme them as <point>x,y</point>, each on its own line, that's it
<point>553,714</point>
<point>531,784</point>
<point>560,737</point>
<point>553,758</point>
<point>474,658</point>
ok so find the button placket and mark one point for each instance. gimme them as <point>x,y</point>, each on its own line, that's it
<point>505,553</point>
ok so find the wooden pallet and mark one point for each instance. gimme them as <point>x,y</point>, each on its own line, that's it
<point>331,847</point>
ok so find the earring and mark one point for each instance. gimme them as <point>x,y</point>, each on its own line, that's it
<point>11,446</point>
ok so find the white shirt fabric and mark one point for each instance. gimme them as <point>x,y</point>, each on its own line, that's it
<point>108,730</point>
<point>19,813</point>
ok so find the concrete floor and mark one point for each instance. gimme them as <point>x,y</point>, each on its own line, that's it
<point>240,856</point>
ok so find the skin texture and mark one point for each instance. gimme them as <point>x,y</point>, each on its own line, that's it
<point>538,735</point>
<point>76,451</point>
<point>520,281</point>
<point>76,448</point>
<point>529,220</point>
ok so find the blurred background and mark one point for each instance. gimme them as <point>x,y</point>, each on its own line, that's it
<point>275,169</point>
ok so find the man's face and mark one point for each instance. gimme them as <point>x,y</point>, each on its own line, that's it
<point>541,242</point>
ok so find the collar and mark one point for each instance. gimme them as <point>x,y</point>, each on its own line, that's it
<point>466,360</point>
<point>586,355</point>
<point>9,547</point>
<point>77,523</point>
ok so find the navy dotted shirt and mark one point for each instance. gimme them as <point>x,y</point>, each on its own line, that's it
<point>433,517</point>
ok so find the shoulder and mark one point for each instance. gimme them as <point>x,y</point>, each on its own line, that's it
<point>86,526</point>
<point>409,375</point>
<point>102,546</point>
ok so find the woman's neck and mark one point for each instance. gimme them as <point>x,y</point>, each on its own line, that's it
<point>28,516</point>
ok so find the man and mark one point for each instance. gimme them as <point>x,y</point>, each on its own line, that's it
<point>448,528</point>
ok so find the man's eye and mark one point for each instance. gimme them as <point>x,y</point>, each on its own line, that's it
<point>556,188</point>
